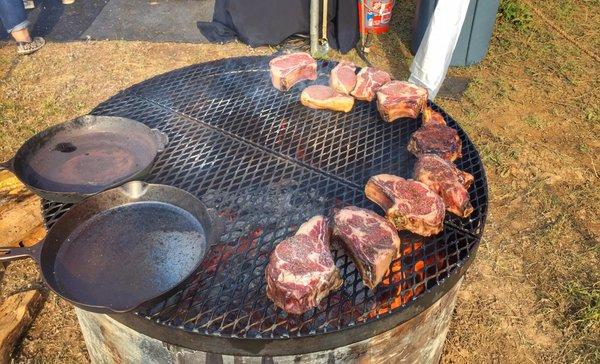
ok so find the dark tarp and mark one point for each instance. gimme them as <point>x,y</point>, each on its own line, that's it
<point>270,22</point>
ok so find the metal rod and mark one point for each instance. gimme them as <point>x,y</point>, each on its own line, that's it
<point>324,26</point>
<point>314,27</point>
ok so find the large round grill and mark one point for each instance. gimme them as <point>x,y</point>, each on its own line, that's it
<point>265,164</point>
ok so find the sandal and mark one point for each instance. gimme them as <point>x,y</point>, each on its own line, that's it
<point>30,47</point>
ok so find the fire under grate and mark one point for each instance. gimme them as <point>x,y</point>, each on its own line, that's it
<point>265,164</point>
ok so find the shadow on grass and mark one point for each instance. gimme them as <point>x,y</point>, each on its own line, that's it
<point>395,44</point>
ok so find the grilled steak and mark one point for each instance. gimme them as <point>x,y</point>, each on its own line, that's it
<point>409,205</point>
<point>289,69</point>
<point>343,77</point>
<point>370,239</point>
<point>432,117</point>
<point>399,99</point>
<point>301,270</point>
<point>436,139</point>
<point>447,181</point>
<point>324,97</point>
<point>368,81</point>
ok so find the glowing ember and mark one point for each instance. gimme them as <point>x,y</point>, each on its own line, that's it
<point>222,252</point>
<point>403,294</point>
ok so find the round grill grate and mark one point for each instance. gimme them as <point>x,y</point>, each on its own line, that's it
<point>265,164</point>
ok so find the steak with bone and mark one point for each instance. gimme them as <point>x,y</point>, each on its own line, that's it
<point>400,99</point>
<point>324,97</point>
<point>301,270</point>
<point>447,181</point>
<point>289,69</point>
<point>432,117</point>
<point>409,205</point>
<point>370,239</point>
<point>436,139</point>
<point>368,81</point>
<point>343,77</point>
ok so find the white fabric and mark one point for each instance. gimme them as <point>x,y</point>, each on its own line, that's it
<point>432,60</point>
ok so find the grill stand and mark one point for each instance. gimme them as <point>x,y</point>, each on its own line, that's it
<point>419,340</point>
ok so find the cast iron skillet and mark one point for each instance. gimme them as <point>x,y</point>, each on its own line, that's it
<point>123,247</point>
<point>84,156</point>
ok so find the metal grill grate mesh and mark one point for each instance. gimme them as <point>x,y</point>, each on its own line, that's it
<point>265,164</point>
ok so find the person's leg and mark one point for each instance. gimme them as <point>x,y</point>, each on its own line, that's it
<point>21,35</point>
<point>12,14</point>
<point>14,18</point>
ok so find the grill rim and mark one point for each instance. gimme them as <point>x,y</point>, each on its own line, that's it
<point>298,344</point>
<point>228,344</point>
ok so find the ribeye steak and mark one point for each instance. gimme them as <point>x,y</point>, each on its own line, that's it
<point>436,139</point>
<point>343,77</point>
<point>368,81</point>
<point>370,239</point>
<point>409,205</point>
<point>432,117</point>
<point>301,270</point>
<point>289,69</point>
<point>324,97</point>
<point>447,181</point>
<point>400,99</point>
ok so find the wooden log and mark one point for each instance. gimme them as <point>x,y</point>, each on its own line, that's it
<point>16,314</point>
<point>20,213</point>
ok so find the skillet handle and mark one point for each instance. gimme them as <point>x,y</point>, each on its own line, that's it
<point>8,165</point>
<point>8,254</point>
<point>161,140</point>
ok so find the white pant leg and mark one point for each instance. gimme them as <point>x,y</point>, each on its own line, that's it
<point>432,60</point>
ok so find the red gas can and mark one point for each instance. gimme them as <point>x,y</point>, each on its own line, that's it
<point>374,15</point>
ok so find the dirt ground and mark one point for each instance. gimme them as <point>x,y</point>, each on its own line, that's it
<point>532,109</point>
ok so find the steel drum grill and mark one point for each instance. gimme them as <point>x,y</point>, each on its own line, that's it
<point>265,164</point>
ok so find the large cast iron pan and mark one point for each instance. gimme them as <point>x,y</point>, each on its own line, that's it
<point>84,156</point>
<point>123,247</point>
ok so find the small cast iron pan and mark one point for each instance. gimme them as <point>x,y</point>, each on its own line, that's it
<point>71,161</point>
<point>123,247</point>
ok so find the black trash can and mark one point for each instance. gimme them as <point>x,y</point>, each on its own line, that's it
<point>474,37</point>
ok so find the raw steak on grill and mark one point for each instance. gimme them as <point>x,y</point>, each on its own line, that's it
<point>432,117</point>
<point>409,205</point>
<point>324,97</point>
<point>368,81</point>
<point>436,139</point>
<point>370,239</point>
<point>289,69</point>
<point>343,77</point>
<point>400,99</point>
<point>447,181</point>
<point>301,270</point>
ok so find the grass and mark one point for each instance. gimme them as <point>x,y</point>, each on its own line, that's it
<point>515,13</point>
<point>532,109</point>
<point>533,121</point>
<point>585,304</point>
